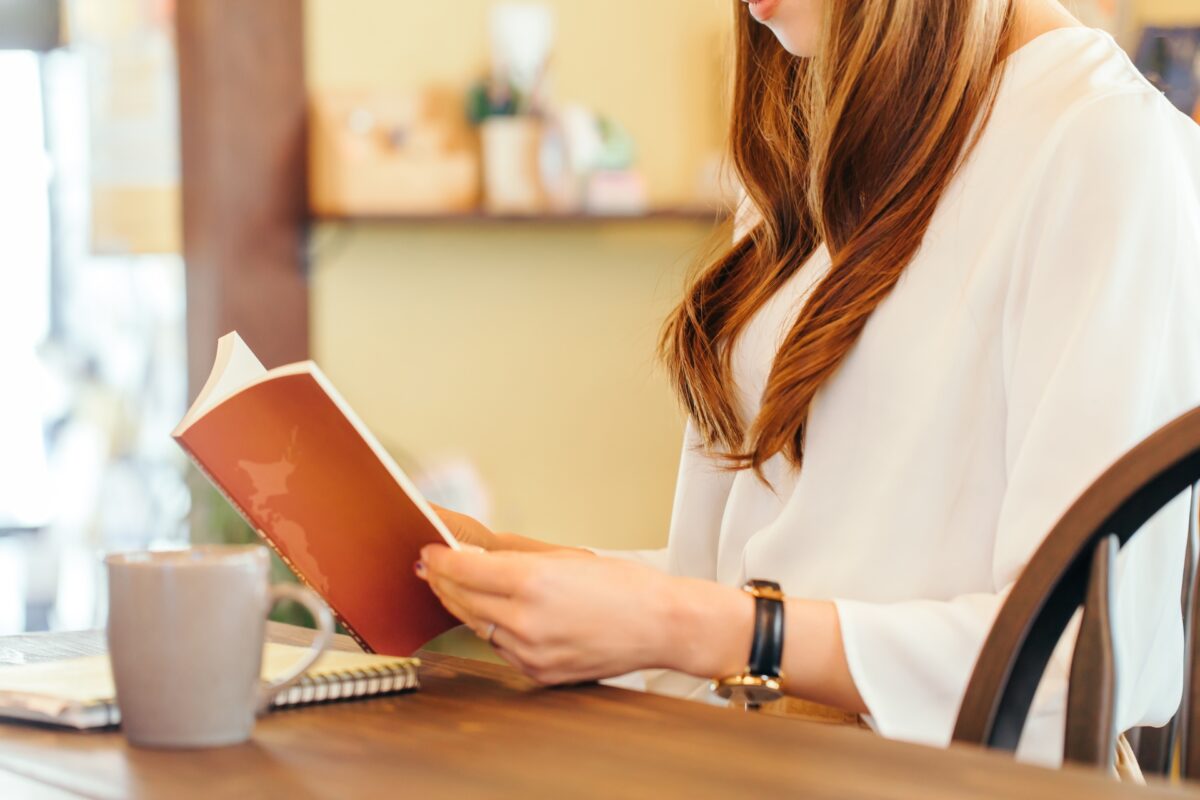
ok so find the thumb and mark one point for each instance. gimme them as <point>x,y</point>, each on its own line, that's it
<point>466,529</point>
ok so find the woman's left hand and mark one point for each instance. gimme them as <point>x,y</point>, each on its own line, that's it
<point>567,620</point>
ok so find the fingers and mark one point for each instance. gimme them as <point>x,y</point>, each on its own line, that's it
<point>461,525</point>
<point>480,612</point>
<point>463,614</point>
<point>483,589</point>
<point>507,648</point>
<point>491,573</point>
<point>476,609</point>
<point>465,529</point>
<point>453,519</point>
<point>509,657</point>
<point>544,665</point>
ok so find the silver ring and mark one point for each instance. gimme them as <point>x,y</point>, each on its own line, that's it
<point>491,631</point>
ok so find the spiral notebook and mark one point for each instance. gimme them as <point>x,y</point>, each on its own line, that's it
<point>78,692</point>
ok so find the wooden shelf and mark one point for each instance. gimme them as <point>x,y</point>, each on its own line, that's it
<point>697,215</point>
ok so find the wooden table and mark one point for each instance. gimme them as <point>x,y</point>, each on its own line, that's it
<point>481,730</point>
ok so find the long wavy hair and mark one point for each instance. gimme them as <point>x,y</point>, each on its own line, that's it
<point>852,147</point>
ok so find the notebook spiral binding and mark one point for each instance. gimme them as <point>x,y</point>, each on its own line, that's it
<point>106,712</point>
<point>353,683</point>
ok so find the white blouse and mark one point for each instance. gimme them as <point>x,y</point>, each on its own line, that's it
<point>1050,321</point>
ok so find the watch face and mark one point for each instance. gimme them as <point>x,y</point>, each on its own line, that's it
<point>748,690</point>
<point>755,695</point>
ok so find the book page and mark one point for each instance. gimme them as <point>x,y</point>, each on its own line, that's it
<point>234,368</point>
<point>80,680</point>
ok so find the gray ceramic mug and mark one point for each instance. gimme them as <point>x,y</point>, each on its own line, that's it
<point>185,637</point>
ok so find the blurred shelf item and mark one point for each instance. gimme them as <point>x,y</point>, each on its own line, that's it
<point>383,153</point>
<point>18,531</point>
<point>680,214</point>
<point>512,180</point>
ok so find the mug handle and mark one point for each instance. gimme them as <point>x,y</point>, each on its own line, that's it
<point>324,619</point>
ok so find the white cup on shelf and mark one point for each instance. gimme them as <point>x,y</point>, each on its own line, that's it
<point>512,180</point>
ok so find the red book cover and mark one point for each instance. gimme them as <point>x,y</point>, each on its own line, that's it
<point>302,469</point>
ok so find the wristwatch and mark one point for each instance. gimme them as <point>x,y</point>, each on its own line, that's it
<point>761,682</point>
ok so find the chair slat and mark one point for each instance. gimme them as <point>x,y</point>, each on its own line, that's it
<point>1091,735</point>
<point>1189,733</point>
<point>1155,747</point>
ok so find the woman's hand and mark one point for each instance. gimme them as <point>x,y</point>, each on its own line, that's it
<point>566,620</point>
<point>470,531</point>
<point>467,530</point>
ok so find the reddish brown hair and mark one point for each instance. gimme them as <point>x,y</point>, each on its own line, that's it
<point>852,148</point>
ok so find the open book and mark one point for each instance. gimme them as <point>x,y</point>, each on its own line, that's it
<point>303,470</point>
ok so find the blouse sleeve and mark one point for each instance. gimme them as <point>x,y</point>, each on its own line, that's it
<point>1101,346</point>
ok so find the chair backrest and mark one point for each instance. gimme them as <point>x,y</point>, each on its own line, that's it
<point>1072,567</point>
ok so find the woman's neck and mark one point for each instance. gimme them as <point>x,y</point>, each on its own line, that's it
<point>1035,17</point>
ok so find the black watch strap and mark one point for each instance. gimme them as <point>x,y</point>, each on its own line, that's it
<point>766,649</point>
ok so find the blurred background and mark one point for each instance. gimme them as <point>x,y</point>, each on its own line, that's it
<point>474,216</point>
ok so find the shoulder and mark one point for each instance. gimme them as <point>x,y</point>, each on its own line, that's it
<point>1127,140</point>
<point>1114,192</point>
<point>1065,69</point>
<point>1119,168</point>
<point>1097,115</point>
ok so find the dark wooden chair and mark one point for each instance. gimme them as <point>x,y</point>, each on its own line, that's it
<point>1070,569</point>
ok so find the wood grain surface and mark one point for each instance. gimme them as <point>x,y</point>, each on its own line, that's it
<point>482,730</point>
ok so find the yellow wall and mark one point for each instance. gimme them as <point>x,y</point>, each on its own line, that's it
<point>1167,12</point>
<point>528,348</point>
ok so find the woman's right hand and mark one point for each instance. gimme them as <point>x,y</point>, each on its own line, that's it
<point>473,533</point>
<point>468,530</point>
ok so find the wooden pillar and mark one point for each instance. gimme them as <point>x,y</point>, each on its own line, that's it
<point>242,128</point>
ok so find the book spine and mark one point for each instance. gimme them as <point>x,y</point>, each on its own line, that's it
<point>271,544</point>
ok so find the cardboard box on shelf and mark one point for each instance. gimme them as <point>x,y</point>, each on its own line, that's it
<point>389,153</point>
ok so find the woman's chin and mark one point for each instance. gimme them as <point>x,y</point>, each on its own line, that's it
<point>796,45</point>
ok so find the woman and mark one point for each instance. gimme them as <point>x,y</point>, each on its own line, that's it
<point>971,283</point>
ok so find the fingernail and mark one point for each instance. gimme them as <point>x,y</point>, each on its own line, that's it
<point>419,568</point>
